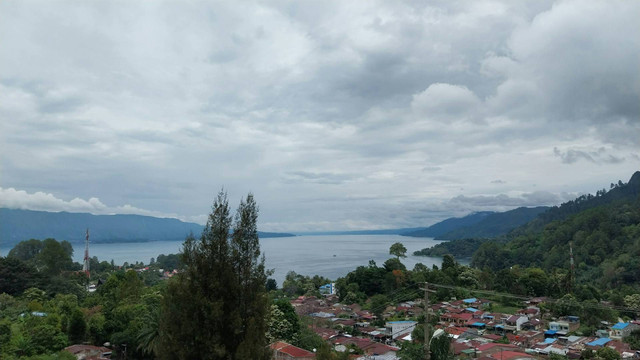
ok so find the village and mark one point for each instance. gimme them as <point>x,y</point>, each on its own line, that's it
<point>475,331</point>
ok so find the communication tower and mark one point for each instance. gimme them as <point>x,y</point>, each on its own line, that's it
<point>85,266</point>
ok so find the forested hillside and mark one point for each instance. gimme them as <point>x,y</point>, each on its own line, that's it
<point>495,224</point>
<point>445,226</point>
<point>605,239</point>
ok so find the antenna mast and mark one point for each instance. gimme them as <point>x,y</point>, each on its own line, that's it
<point>85,266</point>
<point>572,274</point>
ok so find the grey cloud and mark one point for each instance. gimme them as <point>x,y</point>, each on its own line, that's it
<point>319,178</point>
<point>600,155</point>
<point>503,201</point>
<point>498,181</point>
<point>412,100</point>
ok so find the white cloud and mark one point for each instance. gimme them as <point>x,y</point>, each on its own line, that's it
<point>19,199</point>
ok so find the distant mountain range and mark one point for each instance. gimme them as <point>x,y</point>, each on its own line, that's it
<point>17,225</point>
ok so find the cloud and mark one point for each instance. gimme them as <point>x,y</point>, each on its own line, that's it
<point>503,201</point>
<point>19,199</point>
<point>445,101</point>
<point>377,107</point>
<point>319,178</point>
<point>599,156</point>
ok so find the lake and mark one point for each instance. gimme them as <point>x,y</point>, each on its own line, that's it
<point>331,256</point>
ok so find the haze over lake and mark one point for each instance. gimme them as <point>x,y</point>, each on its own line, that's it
<point>307,255</point>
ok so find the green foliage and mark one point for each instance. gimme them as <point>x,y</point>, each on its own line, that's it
<point>16,276</point>
<point>441,348</point>
<point>411,351</point>
<point>633,340</point>
<point>77,327</point>
<point>309,340</point>
<point>219,302</point>
<point>283,323</point>
<point>398,250</point>
<point>378,304</point>
<point>296,285</point>
<point>607,353</point>
<point>462,248</point>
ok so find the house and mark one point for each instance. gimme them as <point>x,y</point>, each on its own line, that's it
<point>284,351</point>
<point>621,330</point>
<point>515,322</point>
<point>597,343</point>
<point>456,318</point>
<point>530,312</point>
<point>563,327</point>
<point>397,328</point>
<point>88,352</point>
<point>533,324</point>
<point>492,348</point>
<point>512,355</point>
<point>328,289</point>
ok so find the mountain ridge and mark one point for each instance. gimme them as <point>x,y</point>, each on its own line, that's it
<point>18,224</point>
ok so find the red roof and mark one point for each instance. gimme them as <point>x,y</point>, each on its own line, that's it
<point>465,316</point>
<point>458,347</point>
<point>493,337</point>
<point>507,355</point>
<point>488,346</point>
<point>454,330</point>
<point>291,350</point>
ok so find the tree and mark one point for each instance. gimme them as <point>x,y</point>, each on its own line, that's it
<point>272,284</point>
<point>441,347</point>
<point>26,250</point>
<point>398,250</point>
<point>217,307</point>
<point>16,276</point>
<point>77,327</point>
<point>55,256</point>
<point>607,353</point>
<point>379,303</point>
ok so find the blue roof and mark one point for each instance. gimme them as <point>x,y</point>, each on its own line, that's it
<point>550,332</point>
<point>471,309</point>
<point>470,301</point>
<point>549,340</point>
<point>620,326</point>
<point>599,342</point>
<point>499,326</point>
<point>478,324</point>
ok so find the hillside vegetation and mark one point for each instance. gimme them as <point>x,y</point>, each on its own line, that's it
<point>604,230</point>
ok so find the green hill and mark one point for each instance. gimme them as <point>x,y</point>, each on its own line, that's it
<point>604,230</point>
<point>17,225</point>
<point>495,224</point>
<point>448,225</point>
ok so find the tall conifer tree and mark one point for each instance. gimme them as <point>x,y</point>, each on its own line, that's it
<point>216,308</point>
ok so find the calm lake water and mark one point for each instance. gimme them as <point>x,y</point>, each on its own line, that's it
<point>331,256</point>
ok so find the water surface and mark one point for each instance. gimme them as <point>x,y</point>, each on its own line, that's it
<point>331,256</point>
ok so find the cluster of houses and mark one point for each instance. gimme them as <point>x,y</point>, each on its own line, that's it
<point>476,332</point>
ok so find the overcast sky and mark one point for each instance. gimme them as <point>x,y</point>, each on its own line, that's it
<point>337,115</point>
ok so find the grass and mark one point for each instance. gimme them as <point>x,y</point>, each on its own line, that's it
<point>505,309</point>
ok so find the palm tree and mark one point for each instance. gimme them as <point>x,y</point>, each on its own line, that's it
<point>148,337</point>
